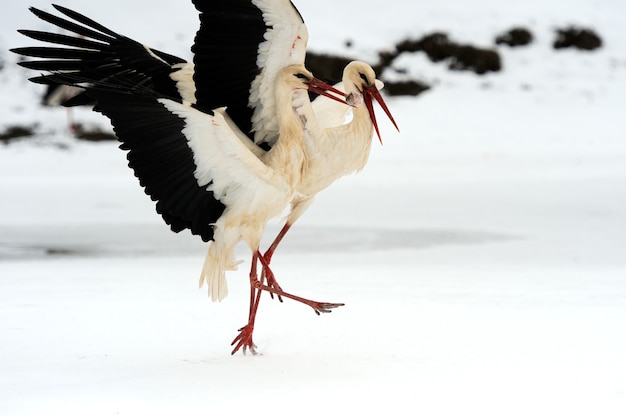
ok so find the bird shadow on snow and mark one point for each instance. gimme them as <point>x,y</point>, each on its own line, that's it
<point>152,240</point>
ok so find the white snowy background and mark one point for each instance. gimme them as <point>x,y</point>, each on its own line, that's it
<point>481,254</point>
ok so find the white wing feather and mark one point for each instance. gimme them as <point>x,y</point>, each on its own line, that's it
<point>285,44</point>
<point>223,163</point>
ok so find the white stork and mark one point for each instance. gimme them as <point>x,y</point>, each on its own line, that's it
<point>337,151</point>
<point>183,134</point>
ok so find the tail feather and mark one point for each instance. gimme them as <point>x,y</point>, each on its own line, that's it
<point>214,270</point>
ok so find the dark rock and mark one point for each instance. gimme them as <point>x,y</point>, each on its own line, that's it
<point>325,66</point>
<point>438,47</point>
<point>385,59</point>
<point>580,38</point>
<point>413,88</point>
<point>470,58</point>
<point>13,133</point>
<point>518,36</point>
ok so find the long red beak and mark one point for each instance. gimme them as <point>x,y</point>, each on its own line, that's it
<point>320,87</point>
<point>372,92</point>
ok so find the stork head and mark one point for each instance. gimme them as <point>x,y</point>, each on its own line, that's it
<point>298,77</point>
<point>361,84</point>
<point>294,77</point>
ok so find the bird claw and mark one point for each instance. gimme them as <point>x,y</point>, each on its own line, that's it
<point>324,307</point>
<point>276,286</point>
<point>244,339</point>
<point>273,283</point>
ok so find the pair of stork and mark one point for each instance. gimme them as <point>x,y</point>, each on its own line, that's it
<point>226,142</point>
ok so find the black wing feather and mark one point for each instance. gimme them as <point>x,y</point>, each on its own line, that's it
<point>159,155</point>
<point>226,49</point>
<point>100,57</point>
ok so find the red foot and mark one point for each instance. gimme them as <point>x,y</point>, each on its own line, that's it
<point>268,275</point>
<point>318,307</point>
<point>323,307</point>
<point>244,339</point>
<point>267,259</point>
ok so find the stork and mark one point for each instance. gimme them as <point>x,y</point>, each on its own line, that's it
<point>203,171</point>
<point>337,151</point>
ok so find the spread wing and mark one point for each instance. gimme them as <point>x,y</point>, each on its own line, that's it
<point>238,51</point>
<point>190,162</point>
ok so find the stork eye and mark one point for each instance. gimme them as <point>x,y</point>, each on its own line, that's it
<point>364,78</point>
<point>301,76</point>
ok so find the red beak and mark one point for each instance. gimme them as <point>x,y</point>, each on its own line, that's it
<point>372,92</point>
<point>320,87</point>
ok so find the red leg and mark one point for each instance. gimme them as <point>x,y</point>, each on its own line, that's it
<point>318,307</point>
<point>257,286</point>
<point>271,280</point>
<point>244,339</point>
<point>270,251</point>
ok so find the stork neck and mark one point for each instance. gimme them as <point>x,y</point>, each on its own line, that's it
<point>361,122</point>
<point>289,124</point>
<point>288,155</point>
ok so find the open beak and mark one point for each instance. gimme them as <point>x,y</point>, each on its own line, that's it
<point>320,87</point>
<point>372,92</point>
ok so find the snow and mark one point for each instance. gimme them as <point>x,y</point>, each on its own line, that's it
<point>480,254</point>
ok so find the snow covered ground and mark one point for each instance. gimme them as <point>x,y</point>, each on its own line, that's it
<point>481,254</point>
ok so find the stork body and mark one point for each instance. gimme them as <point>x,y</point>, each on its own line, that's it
<point>336,151</point>
<point>250,206</point>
